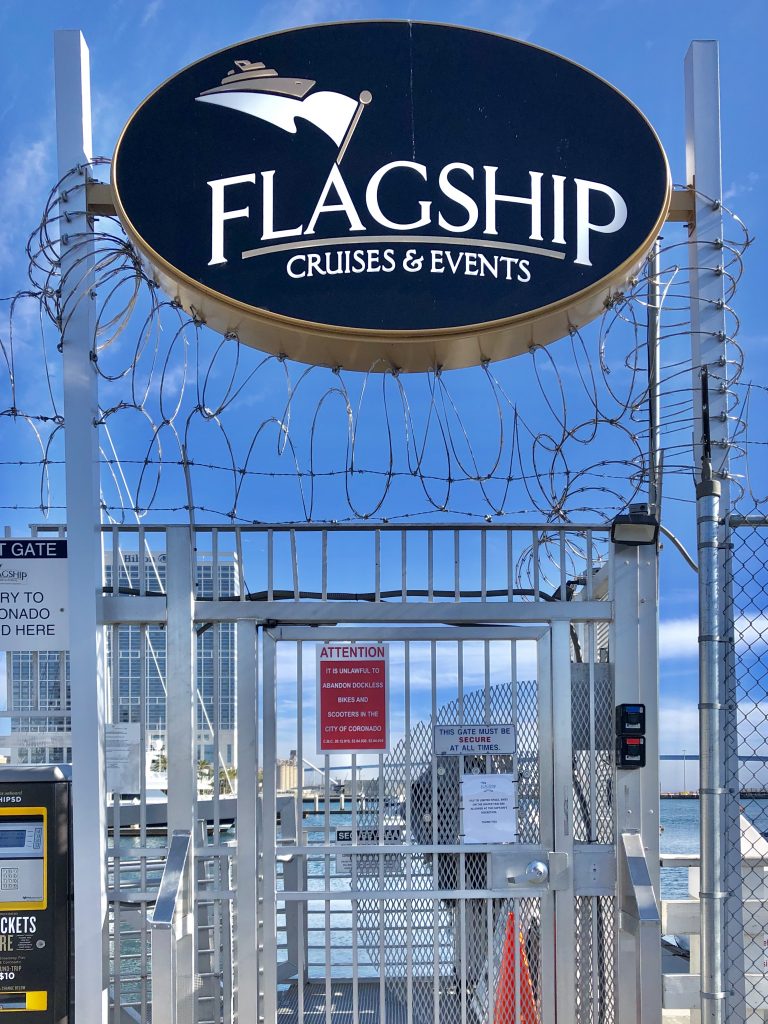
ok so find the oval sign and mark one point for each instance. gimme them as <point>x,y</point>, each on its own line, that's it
<point>380,195</point>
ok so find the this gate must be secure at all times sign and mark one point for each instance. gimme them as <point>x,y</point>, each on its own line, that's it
<point>352,697</point>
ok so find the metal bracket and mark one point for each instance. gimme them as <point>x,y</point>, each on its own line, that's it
<point>682,209</point>
<point>99,199</point>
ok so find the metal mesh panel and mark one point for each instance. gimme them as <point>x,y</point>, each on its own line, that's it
<point>747,768</point>
<point>592,710</point>
<point>594,958</point>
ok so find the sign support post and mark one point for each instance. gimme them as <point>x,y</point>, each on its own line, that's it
<point>709,349</point>
<point>87,652</point>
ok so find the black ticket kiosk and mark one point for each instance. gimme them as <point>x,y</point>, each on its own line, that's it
<point>35,894</point>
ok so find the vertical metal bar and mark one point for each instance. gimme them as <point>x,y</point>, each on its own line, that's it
<point>517,948</point>
<point>377,557</point>
<point>408,822</point>
<point>430,565</point>
<point>546,820</point>
<point>709,345</point>
<point>353,882</point>
<point>302,907</point>
<point>434,811</point>
<point>181,721</point>
<point>711,760</point>
<point>327,886</point>
<point>324,565</point>
<point>180,681</point>
<point>294,566</point>
<point>705,250</point>
<point>382,916</point>
<point>269,819</point>
<point>510,565</point>
<point>247,796</point>
<point>404,565</point>
<point>648,672</point>
<point>462,903</point>
<point>654,367</point>
<point>456,566</point>
<point>563,814</point>
<point>270,565</point>
<point>592,757</point>
<point>86,638</point>
<point>489,958</point>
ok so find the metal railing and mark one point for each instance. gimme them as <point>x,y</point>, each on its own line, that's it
<point>173,939</point>
<point>639,916</point>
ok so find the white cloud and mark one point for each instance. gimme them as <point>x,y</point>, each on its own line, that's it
<point>740,188</point>
<point>151,11</point>
<point>678,638</point>
<point>26,176</point>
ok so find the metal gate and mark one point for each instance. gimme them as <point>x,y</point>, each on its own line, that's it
<point>343,889</point>
<point>426,927</point>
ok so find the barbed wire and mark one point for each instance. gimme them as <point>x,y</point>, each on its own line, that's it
<point>192,423</point>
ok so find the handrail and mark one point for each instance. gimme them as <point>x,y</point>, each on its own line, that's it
<point>171,884</point>
<point>171,929</point>
<point>640,918</point>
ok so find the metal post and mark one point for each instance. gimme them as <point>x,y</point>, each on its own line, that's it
<point>247,803</point>
<point>654,386</point>
<point>711,762</point>
<point>181,731</point>
<point>709,351</point>
<point>634,653</point>
<point>86,636</point>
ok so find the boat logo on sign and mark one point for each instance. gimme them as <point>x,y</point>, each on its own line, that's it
<point>259,91</point>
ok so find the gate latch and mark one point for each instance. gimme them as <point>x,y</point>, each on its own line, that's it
<point>537,872</point>
<point>550,869</point>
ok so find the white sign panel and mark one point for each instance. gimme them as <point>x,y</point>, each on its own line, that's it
<point>368,864</point>
<point>765,953</point>
<point>451,740</point>
<point>123,754</point>
<point>33,594</point>
<point>490,808</point>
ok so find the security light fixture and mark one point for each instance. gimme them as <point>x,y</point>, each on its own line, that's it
<point>637,527</point>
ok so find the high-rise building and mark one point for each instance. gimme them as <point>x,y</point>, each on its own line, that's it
<point>136,658</point>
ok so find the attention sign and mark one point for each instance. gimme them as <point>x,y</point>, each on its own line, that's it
<point>390,195</point>
<point>352,698</point>
<point>33,594</point>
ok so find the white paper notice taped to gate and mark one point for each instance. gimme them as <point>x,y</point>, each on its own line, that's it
<point>33,594</point>
<point>490,808</point>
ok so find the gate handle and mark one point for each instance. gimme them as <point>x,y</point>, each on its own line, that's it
<point>537,872</point>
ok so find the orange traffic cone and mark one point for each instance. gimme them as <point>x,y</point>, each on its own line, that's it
<point>504,1008</point>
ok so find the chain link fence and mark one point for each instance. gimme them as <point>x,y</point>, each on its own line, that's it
<point>746,753</point>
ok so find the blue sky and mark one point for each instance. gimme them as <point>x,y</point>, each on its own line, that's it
<point>638,47</point>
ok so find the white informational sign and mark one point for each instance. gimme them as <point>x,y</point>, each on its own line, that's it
<point>33,594</point>
<point>451,740</point>
<point>765,952</point>
<point>368,864</point>
<point>490,808</point>
<point>122,745</point>
<point>38,739</point>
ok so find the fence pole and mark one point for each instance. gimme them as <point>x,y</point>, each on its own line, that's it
<point>711,759</point>
<point>86,635</point>
<point>709,352</point>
